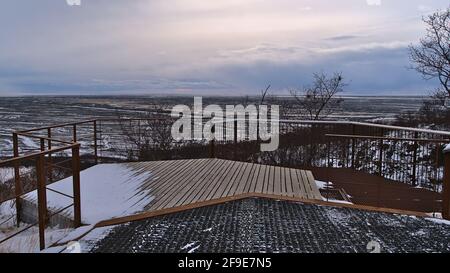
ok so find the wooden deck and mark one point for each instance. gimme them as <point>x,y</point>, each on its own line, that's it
<point>181,182</point>
<point>110,191</point>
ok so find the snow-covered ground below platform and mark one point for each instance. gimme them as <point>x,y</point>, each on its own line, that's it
<point>107,191</point>
<point>28,241</point>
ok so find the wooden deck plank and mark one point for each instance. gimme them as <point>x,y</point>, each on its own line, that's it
<point>277,181</point>
<point>229,190</point>
<point>194,194</point>
<point>166,173</point>
<point>309,193</point>
<point>251,187</point>
<point>181,187</point>
<point>297,176</point>
<point>227,180</point>
<point>259,179</point>
<point>173,183</point>
<point>157,183</point>
<point>244,179</point>
<point>266,179</point>
<point>186,188</point>
<point>218,183</point>
<point>312,184</point>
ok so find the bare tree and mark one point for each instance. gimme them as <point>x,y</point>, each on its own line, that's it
<point>319,100</point>
<point>264,93</point>
<point>431,56</point>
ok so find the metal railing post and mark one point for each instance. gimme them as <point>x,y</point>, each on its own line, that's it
<point>413,178</point>
<point>42,199</point>
<point>76,185</point>
<point>49,146</point>
<point>353,146</point>
<point>17,182</point>
<point>446,185</point>
<point>95,143</point>
<point>235,129</point>
<point>74,133</point>
<point>380,157</point>
<point>212,153</point>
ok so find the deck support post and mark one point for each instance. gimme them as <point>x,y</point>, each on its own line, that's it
<point>446,185</point>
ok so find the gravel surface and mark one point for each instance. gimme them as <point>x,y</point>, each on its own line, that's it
<point>263,225</point>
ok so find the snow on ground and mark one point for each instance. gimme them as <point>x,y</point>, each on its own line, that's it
<point>76,234</point>
<point>28,241</point>
<point>439,221</point>
<point>88,242</point>
<point>7,214</point>
<point>447,148</point>
<point>7,174</point>
<point>107,191</point>
<point>321,185</point>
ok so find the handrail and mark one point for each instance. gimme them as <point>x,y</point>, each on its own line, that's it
<point>371,125</point>
<point>343,122</point>
<point>33,155</point>
<point>56,126</point>
<point>43,137</point>
<point>389,138</point>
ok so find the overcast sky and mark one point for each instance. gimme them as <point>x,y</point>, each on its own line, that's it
<point>215,47</point>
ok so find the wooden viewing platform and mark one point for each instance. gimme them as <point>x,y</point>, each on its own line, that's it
<point>181,182</point>
<point>110,191</point>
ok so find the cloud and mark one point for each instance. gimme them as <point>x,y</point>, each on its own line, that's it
<point>373,2</point>
<point>343,38</point>
<point>142,45</point>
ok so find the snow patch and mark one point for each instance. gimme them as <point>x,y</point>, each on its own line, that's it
<point>447,148</point>
<point>76,234</point>
<point>28,241</point>
<point>107,191</point>
<point>323,185</point>
<point>438,221</point>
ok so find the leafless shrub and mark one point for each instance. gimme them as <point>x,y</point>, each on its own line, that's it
<point>431,57</point>
<point>320,99</point>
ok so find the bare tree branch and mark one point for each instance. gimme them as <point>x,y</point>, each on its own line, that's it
<point>431,57</point>
<point>319,100</point>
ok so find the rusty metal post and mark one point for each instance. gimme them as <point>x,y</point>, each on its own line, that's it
<point>380,157</point>
<point>353,146</point>
<point>17,182</point>
<point>413,177</point>
<point>74,132</point>
<point>42,199</point>
<point>49,146</point>
<point>76,185</point>
<point>212,153</point>
<point>446,185</point>
<point>235,129</point>
<point>95,143</point>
